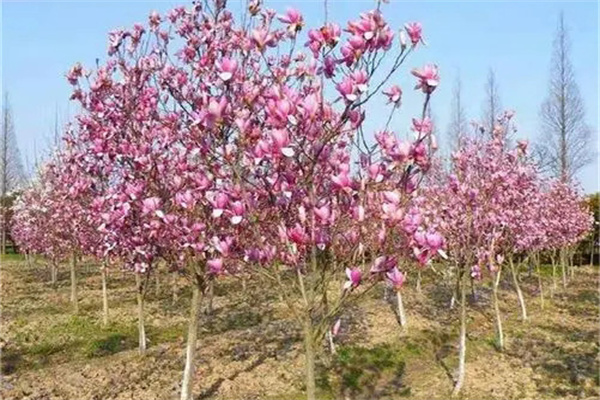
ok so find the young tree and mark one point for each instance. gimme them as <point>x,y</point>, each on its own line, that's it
<point>476,207</point>
<point>12,173</point>
<point>564,145</point>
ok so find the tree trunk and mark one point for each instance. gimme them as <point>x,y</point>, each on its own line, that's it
<point>174,287</point>
<point>563,267</point>
<point>539,274</point>
<point>309,349</point>
<point>210,296</point>
<point>330,340</point>
<point>499,331</point>
<point>104,296</point>
<point>456,293</point>
<point>419,291</point>
<point>592,250</point>
<point>401,313</point>
<point>572,264</point>
<point>140,304</point>
<point>462,346</point>
<point>54,273</point>
<point>156,284</point>
<point>74,284</point>
<point>554,284</point>
<point>518,289</point>
<point>190,352</point>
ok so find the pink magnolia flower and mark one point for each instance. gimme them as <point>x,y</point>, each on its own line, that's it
<point>415,32</point>
<point>354,277</point>
<point>342,180</point>
<point>392,212</point>
<point>336,327</point>
<point>347,89</point>
<point>315,41</point>
<point>281,141</point>
<point>361,80</point>
<point>227,68</point>
<point>185,199</point>
<point>383,264</point>
<point>294,20</point>
<point>434,241</point>
<point>391,196</point>
<point>237,209</point>
<point>219,202</point>
<point>394,95</point>
<point>476,272</point>
<point>396,278</point>
<point>411,222</point>
<point>298,235</point>
<point>428,76</point>
<point>150,205</point>
<point>261,37</point>
<point>215,266</point>
<point>331,34</point>
<point>323,214</point>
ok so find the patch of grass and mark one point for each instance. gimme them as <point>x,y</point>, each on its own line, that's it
<point>363,372</point>
<point>45,349</point>
<point>169,333</point>
<point>112,343</point>
<point>235,320</point>
<point>12,257</point>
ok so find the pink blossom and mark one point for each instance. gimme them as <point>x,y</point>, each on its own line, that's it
<point>396,278</point>
<point>227,68</point>
<point>335,330</point>
<point>394,95</point>
<point>347,89</point>
<point>429,78</point>
<point>215,266</point>
<point>415,32</point>
<point>150,205</point>
<point>294,20</point>
<point>354,277</point>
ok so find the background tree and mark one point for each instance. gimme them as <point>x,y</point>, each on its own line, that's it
<point>11,168</point>
<point>564,141</point>
<point>458,122</point>
<point>492,105</point>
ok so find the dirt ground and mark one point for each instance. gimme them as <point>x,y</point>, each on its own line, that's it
<point>249,349</point>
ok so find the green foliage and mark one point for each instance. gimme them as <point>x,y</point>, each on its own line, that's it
<point>369,372</point>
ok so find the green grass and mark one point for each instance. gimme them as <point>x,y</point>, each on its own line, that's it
<point>80,337</point>
<point>368,372</point>
<point>111,343</point>
<point>12,257</point>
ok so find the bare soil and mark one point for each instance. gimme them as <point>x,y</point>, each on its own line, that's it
<point>249,348</point>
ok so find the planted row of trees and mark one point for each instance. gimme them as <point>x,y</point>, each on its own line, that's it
<point>224,148</point>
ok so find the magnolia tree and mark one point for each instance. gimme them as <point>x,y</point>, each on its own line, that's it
<point>568,221</point>
<point>227,148</point>
<point>51,221</point>
<point>481,208</point>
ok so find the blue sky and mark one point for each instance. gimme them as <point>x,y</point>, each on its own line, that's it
<point>42,40</point>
